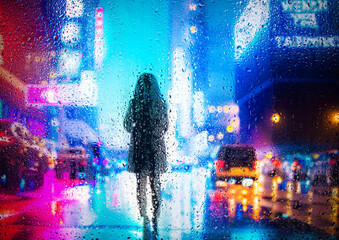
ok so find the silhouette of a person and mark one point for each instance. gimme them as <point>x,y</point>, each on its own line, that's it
<point>147,121</point>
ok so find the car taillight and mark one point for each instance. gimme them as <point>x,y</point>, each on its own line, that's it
<point>83,163</point>
<point>220,164</point>
<point>276,163</point>
<point>255,164</point>
<point>333,162</point>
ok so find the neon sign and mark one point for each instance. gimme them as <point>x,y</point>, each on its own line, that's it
<point>307,42</point>
<point>85,94</point>
<point>305,18</point>
<point>99,34</point>
<point>304,6</point>
<point>303,11</point>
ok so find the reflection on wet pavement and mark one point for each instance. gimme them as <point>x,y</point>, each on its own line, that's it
<point>107,209</point>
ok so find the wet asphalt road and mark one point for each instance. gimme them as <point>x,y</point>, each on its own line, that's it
<point>191,209</point>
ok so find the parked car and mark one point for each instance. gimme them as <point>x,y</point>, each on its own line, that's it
<point>235,165</point>
<point>21,159</point>
<point>324,169</point>
<point>74,163</point>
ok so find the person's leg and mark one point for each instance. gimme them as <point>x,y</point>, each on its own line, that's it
<point>141,193</point>
<point>142,202</point>
<point>156,200</point>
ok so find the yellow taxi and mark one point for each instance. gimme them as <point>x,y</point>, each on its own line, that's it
<point>236,165</point>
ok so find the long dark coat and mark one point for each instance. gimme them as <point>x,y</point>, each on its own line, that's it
<point>147,121</point>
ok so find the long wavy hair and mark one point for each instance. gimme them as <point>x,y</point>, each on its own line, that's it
<point>147,87</point>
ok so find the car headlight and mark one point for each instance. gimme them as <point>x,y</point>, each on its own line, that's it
<point>247,182</point>
<point>232,181</point>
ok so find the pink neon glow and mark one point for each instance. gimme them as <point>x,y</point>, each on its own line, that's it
<point>36,127</point>
<point>99,33</point>
<point>41,95</point>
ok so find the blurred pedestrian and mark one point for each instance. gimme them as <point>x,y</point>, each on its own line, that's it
<point>147,121</point>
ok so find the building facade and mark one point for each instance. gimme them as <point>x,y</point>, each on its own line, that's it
<point>286,82</point>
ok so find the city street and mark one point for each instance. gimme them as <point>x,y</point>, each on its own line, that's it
<point>232,106</point>
<point>191,209</point>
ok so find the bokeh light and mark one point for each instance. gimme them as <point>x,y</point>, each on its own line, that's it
<point>275,118</point>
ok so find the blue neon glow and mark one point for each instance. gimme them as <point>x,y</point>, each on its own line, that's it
<point>253,19</point>
<point>137,42</point>
<point>232,181</point>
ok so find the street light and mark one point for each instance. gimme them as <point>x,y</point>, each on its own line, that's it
<point>335,118</point>
<point>275,118</point>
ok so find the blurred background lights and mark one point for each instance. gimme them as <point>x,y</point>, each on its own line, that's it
<point>193,7</point>
<point>193,29</point>
<point>226,109</point>
<point>232,109</point>
<point>275,118</point>
<point>69,62</point>
<point>211,109</point>
<point>210,138</point>
<point>219,109</point>
<point>269,155</point>
<point>230,129</point>
<point>182,87</point>
<point>88,88</point>
<point>50,96</point>
<point>235,122</point>
<point>220,135</point>
<point>71,33</point>
<point>99,35</point>
<point>53,75</point>
<point>235,109</point>
<point>335,117</point>
<point>198,108</point>
<point>74,8</point>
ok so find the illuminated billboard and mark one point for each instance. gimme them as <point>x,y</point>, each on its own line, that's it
<point>83,94</point>
<point>252,22</point>
<point>304,37</point>
<point>305,23</point>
